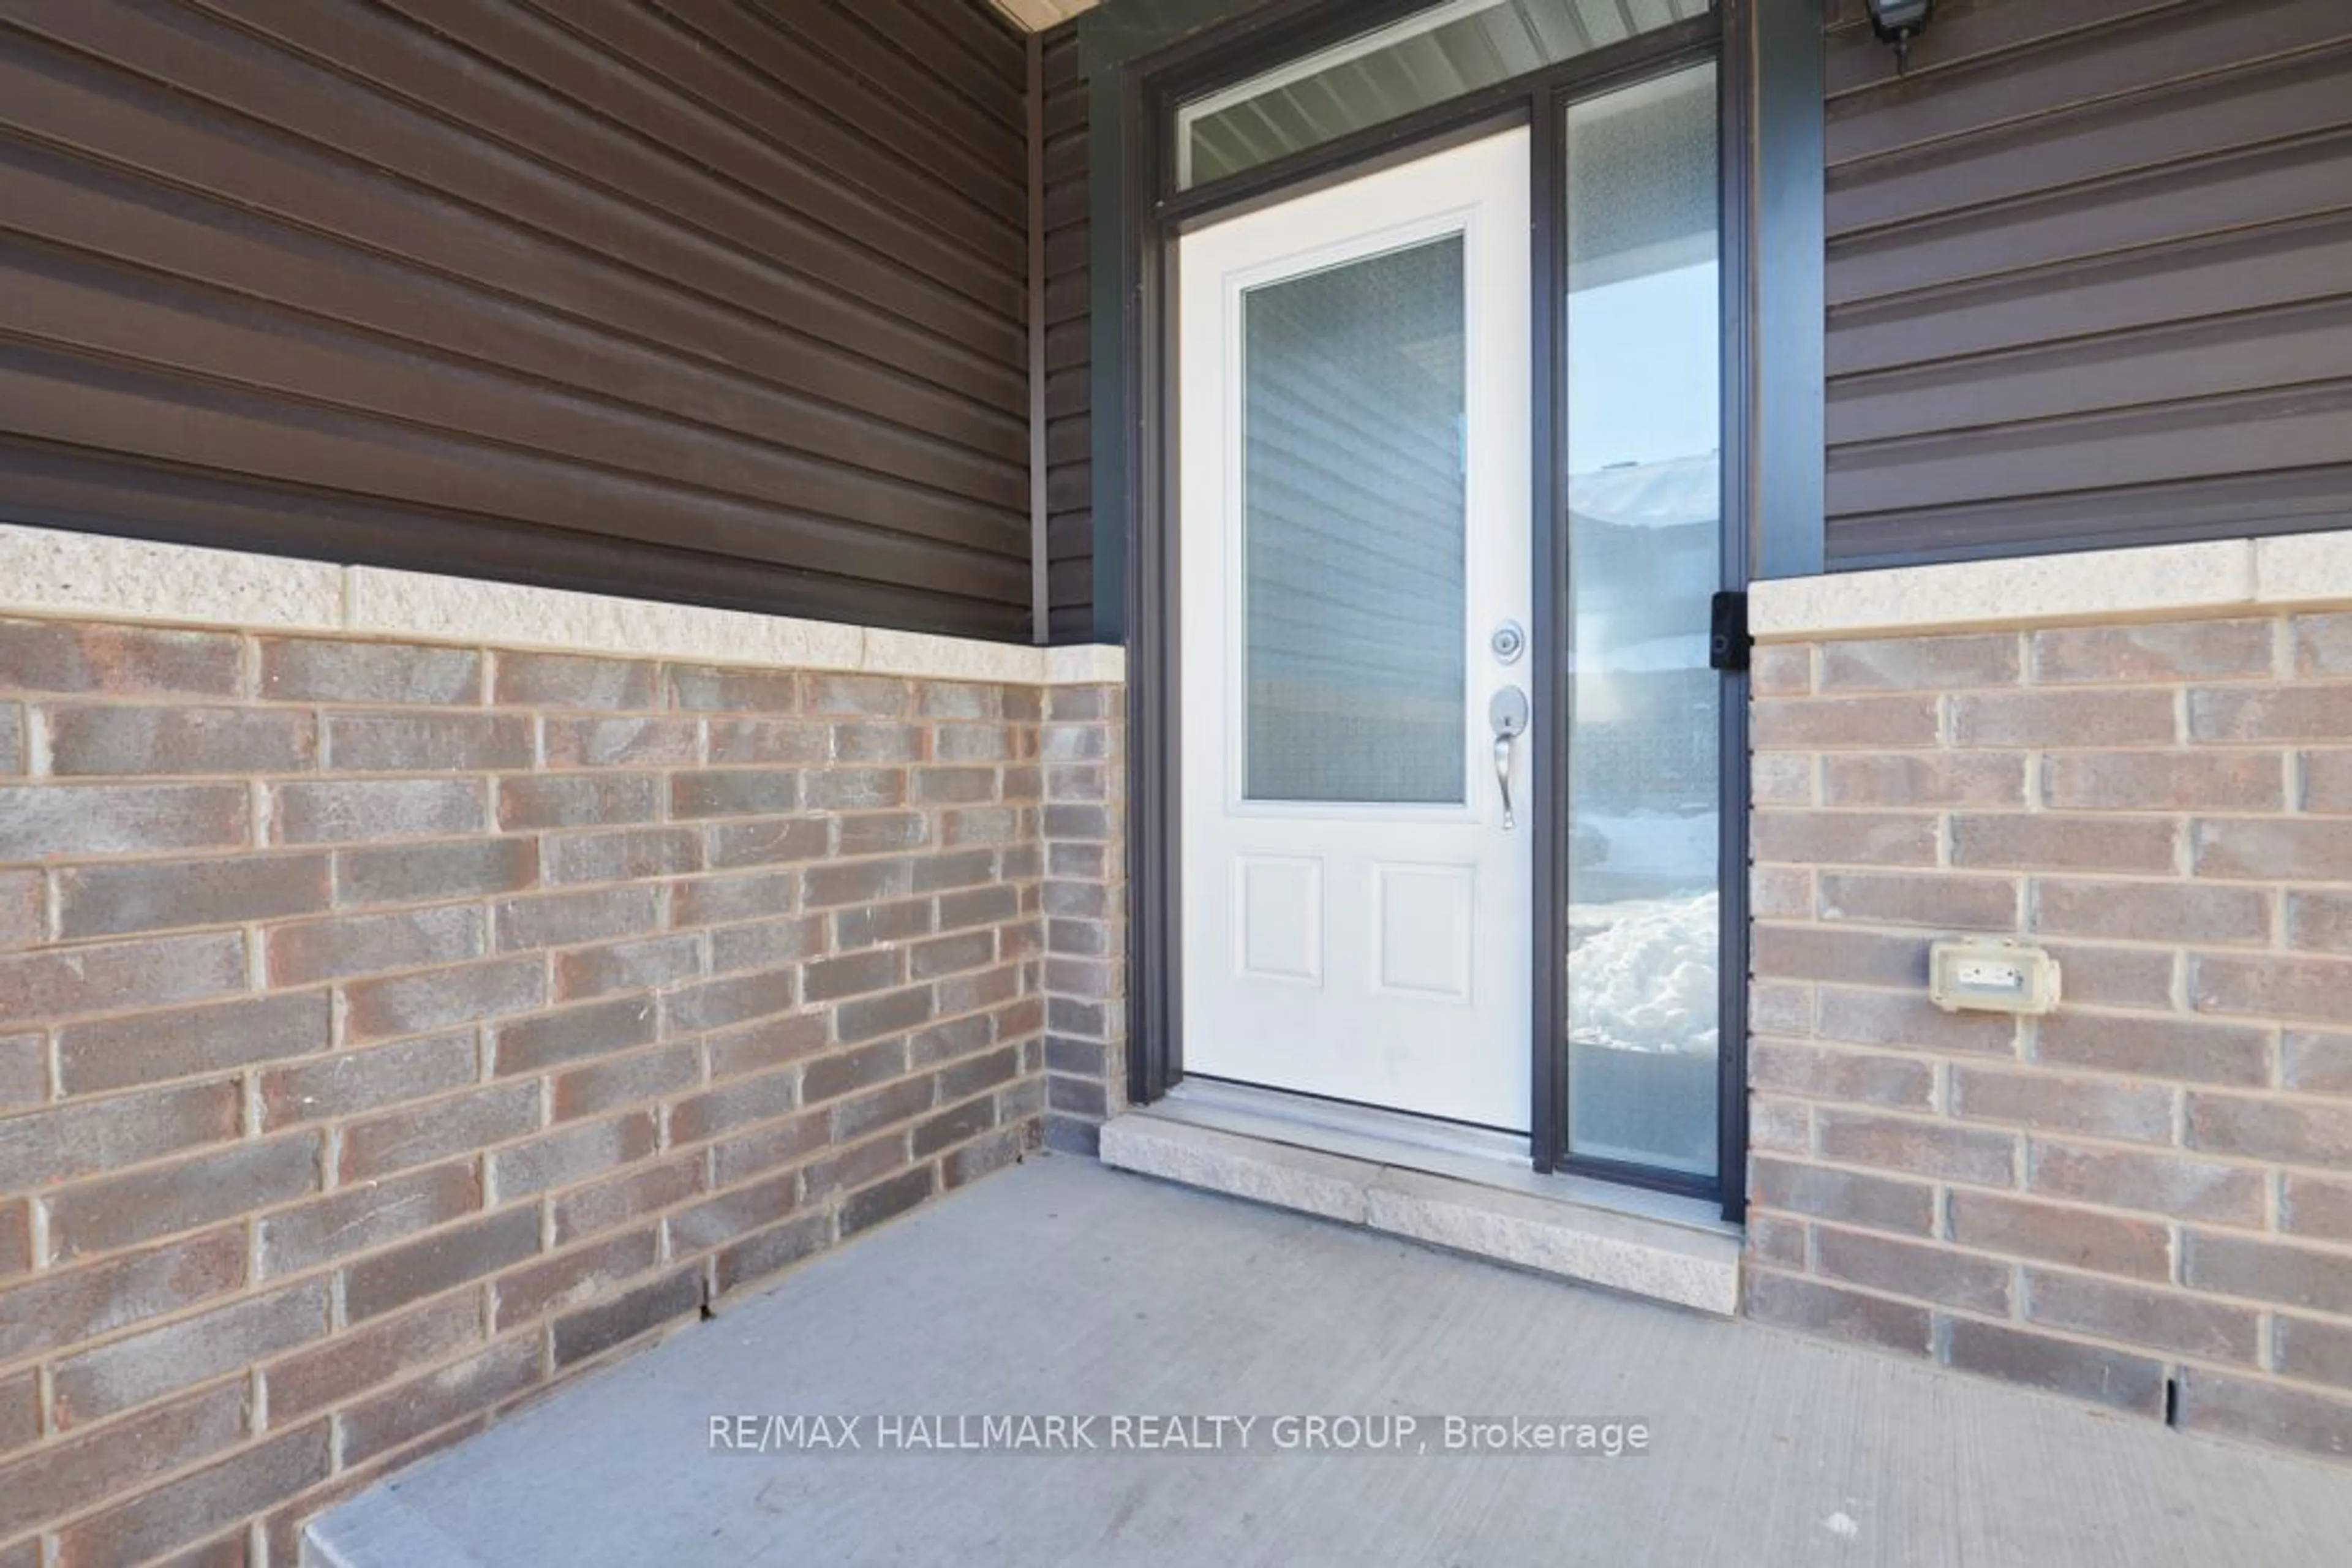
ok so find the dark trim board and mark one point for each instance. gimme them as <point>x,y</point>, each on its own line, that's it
<point>1547,628</point>
<point>1778,61</point>
<point>1137,57</point>
<point>1149,598</point>
<point>1155,690</point>
<point>1040,601</point>
<point>1750,277</point>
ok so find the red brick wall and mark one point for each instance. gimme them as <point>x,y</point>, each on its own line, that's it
<point>386,1030</point>
<point>2145,1198</point>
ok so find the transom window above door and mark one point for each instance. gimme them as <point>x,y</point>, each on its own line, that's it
<point>1428,58</point>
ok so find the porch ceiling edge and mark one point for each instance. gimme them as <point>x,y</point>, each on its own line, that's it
<point>2215,577</point>
<point>56,574</point>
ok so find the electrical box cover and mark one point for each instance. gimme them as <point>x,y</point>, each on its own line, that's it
<point>1991,975</point>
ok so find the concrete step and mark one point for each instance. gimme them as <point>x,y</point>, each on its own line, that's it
<point>1665,1259</point>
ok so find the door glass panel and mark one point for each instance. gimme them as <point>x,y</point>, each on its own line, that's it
<point>1644,499</point>
<point>1430,56</point>
<point>1352,521</point>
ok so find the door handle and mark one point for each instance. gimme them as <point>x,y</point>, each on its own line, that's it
<point>1507,713</point>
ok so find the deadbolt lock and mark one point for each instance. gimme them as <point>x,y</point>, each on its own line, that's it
<point>1509,641</point>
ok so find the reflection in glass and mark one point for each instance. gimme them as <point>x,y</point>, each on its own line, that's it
<point>1645,497</point>
<point>1430,56</point>
<point>1353,515</point>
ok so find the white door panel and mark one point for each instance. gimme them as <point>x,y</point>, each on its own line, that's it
<point>1353,472</point>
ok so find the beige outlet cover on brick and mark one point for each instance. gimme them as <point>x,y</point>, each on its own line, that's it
<point>1991,975</point>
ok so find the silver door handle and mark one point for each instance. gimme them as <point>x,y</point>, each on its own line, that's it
<point>1507,713</point>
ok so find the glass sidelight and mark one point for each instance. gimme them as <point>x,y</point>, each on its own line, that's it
<point>1643,470</point>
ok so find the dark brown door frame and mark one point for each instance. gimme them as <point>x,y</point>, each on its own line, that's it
<point>1771,526</point>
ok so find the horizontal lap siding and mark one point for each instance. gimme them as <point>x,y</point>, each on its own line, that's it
<point>1069,475</point>
<point>2089,276</point>
<point>715,301</point>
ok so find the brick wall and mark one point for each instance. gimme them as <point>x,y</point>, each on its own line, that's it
<point>1085,912</point>
<point>386,1030</point>
<point>2145,1198</point>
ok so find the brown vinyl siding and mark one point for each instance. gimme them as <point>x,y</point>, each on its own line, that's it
<point>715,301</point>
<point>2089,276</point>
<point>1069,476</point>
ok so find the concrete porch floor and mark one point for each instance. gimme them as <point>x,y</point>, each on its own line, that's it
<point>1061,1287</point>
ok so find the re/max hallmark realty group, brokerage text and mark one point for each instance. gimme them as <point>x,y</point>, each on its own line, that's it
<point>1064,1433</point>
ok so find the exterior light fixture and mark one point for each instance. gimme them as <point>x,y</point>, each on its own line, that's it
<point>1898,22</point>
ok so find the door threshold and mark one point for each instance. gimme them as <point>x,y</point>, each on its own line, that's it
<point>1316,1122</point>
<point>1397,1138</point>
<point>1447,1186</point>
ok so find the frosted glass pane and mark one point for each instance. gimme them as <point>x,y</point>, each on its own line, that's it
<point>1644,496</point>
<point>1353,520</point>
<point>1426,59</point>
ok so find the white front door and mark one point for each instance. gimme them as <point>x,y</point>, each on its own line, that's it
<point>1353,532</point>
